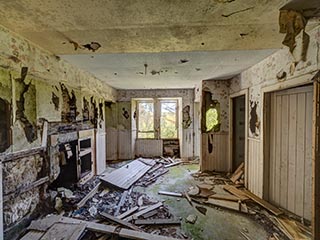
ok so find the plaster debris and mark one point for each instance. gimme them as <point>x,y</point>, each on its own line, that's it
<point>191,219</point>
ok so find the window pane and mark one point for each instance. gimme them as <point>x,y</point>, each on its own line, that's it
<point>168,125</point>
<point>146,120</point>
<point>145,135</point>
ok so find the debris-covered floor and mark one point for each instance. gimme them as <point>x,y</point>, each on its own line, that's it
<point>164,197</point>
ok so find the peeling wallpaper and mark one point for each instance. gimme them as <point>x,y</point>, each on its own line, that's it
<point>220,91</point>
<point>16,52</point>
<point>266,73</point>
<point>39,85</point>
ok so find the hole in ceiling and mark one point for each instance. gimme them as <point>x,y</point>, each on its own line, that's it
<point>183,61</point>
<point>93,46</point>
<point>154,72</point>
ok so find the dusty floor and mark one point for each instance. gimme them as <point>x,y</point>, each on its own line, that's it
<point>220,224</point>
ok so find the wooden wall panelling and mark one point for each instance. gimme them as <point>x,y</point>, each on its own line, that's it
<point>290,153</point>
<point>218,159</point>
<point>315,161</point>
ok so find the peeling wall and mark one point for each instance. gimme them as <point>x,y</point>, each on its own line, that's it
<point>17,175</point>
<point>219,90</point>
<point>265,73</point>
<point>40,86</point>
<point>282,67</point>
<point>214,150</point>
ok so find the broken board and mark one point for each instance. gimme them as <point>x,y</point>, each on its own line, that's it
<point>276,211</point>
<point>61,231</point>
<point>127,175</point>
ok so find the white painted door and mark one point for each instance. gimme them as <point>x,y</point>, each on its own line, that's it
<point>290,166</point>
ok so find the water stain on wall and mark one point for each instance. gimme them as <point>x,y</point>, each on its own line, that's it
<point>94,110</point>
<point>23,89</point>
<point>69,107</point>
<point>85,110</point>
<point>55,100</point>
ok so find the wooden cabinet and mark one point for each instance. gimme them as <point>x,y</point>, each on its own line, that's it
<point>86,166</point>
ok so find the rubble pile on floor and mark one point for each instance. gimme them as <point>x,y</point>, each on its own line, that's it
<point>221,191</point>
<point>108,206</point>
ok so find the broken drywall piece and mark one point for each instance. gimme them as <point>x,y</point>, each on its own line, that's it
<point>292,23</point>
<point>191,219</point>
<point>254,124</point>
<point>186,119</point>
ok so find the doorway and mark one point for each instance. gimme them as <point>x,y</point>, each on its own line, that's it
<point>238,142</point>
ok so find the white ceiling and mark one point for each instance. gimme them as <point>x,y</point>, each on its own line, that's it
<point>219,37</point>
<point>127,71</point>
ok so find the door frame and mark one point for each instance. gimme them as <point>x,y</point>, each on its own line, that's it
<point>264,143</point>
<point>231,98</point>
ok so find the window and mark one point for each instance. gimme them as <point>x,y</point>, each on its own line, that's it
<point>146,119</point>
<point>157,118</point>
<point>212,117</point>
<point>168,119</point>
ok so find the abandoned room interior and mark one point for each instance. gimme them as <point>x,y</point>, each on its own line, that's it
<point>160,120</point>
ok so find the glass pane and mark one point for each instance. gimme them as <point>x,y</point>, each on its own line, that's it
<point>168,125</point>
<point>146,121</point>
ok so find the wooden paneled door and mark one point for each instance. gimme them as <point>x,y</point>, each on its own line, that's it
<point>238,131</point>
<point>290,164</point>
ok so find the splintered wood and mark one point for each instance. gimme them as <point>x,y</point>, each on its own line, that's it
<point>237,173</point>
<point>61,228</point>
<point>127,175</point>
<point>263,203</point>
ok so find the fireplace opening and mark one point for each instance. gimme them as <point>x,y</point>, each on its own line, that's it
<point>68,165</point>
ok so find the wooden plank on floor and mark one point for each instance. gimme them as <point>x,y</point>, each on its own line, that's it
<point>127,175</point>
<point>45,223</point>
<point>121,202</point>
<point>172,194</point>
<point>144,211</point>
<point>33,235</point>
<point>235,191</point>
<point>119,221</point>
<point>95,227</point>
<point>88,196</point>
<point>102,228</point>
<point>237,206</point>
<point>126,233</point>
<point>263,203</point>
<point>62,231</point>
<point>157,222</point>
<point>128,213</point>
<point>225,197</point>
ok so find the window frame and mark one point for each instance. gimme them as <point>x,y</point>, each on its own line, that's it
<point>156,116</point>
<point>138,118</point>
<point>170,100</point>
